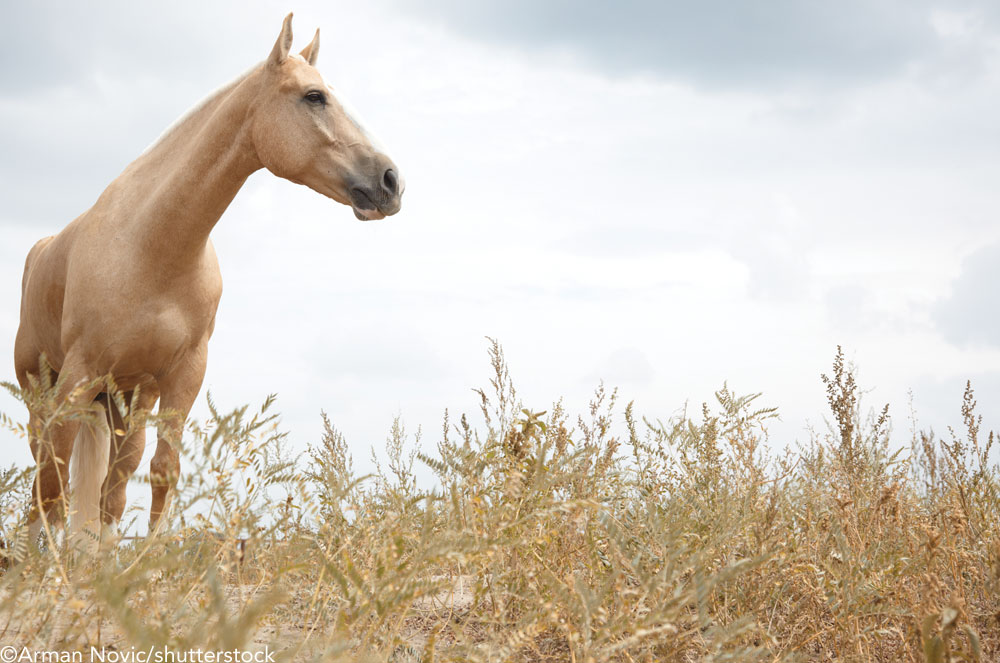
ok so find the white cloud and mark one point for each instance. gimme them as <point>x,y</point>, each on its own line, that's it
<point>969,315</point>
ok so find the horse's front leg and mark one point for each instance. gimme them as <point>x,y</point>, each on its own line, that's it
<point>178,391</point>
<point>126,450</point>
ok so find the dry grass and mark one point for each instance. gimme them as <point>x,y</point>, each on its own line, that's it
<point>545,540</point>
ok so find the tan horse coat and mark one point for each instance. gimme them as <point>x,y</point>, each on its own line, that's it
<point>130,288</point>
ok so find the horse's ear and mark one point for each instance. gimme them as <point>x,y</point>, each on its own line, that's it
<point>312,50</point>
<point>284,44</point>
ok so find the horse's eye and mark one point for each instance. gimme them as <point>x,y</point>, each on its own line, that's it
<point>315,97</point>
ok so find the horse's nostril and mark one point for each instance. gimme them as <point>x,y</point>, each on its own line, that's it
<point>389,181</point>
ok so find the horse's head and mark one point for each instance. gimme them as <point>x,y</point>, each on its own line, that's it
<point>304,133</point>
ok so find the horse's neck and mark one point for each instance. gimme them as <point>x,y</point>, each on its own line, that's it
<point>183,183</point>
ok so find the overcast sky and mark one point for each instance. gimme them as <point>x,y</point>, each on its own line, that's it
<point>662,195</point>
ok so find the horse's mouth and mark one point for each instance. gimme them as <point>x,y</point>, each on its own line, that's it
<point>368,214</point>
<point>363,206</point>
<point>366,209</point>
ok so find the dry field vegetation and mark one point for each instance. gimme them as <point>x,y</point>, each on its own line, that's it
<point>548,539</point>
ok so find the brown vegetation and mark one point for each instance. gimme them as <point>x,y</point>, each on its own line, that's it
<point>679,540</point>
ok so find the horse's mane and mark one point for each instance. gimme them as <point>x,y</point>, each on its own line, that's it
<point>215,94</point>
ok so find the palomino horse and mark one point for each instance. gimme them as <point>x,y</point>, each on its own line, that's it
<point>130,288</point>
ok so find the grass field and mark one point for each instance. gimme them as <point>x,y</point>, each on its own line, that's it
<point>550,539</point>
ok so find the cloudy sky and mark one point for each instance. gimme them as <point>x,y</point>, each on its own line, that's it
<point>662,195</point>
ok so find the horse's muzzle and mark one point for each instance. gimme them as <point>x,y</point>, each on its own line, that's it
<point>377,202</point>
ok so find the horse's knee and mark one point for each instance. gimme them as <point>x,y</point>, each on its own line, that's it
<point>52,456</point>
<point>48,493</point>
<point>122,470</point>
<point>165,466</point>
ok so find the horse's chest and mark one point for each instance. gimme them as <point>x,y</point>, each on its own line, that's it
<point>156,338</point>
<point>172,324</point>
<point>176,319</point>
<point>148,329</point>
